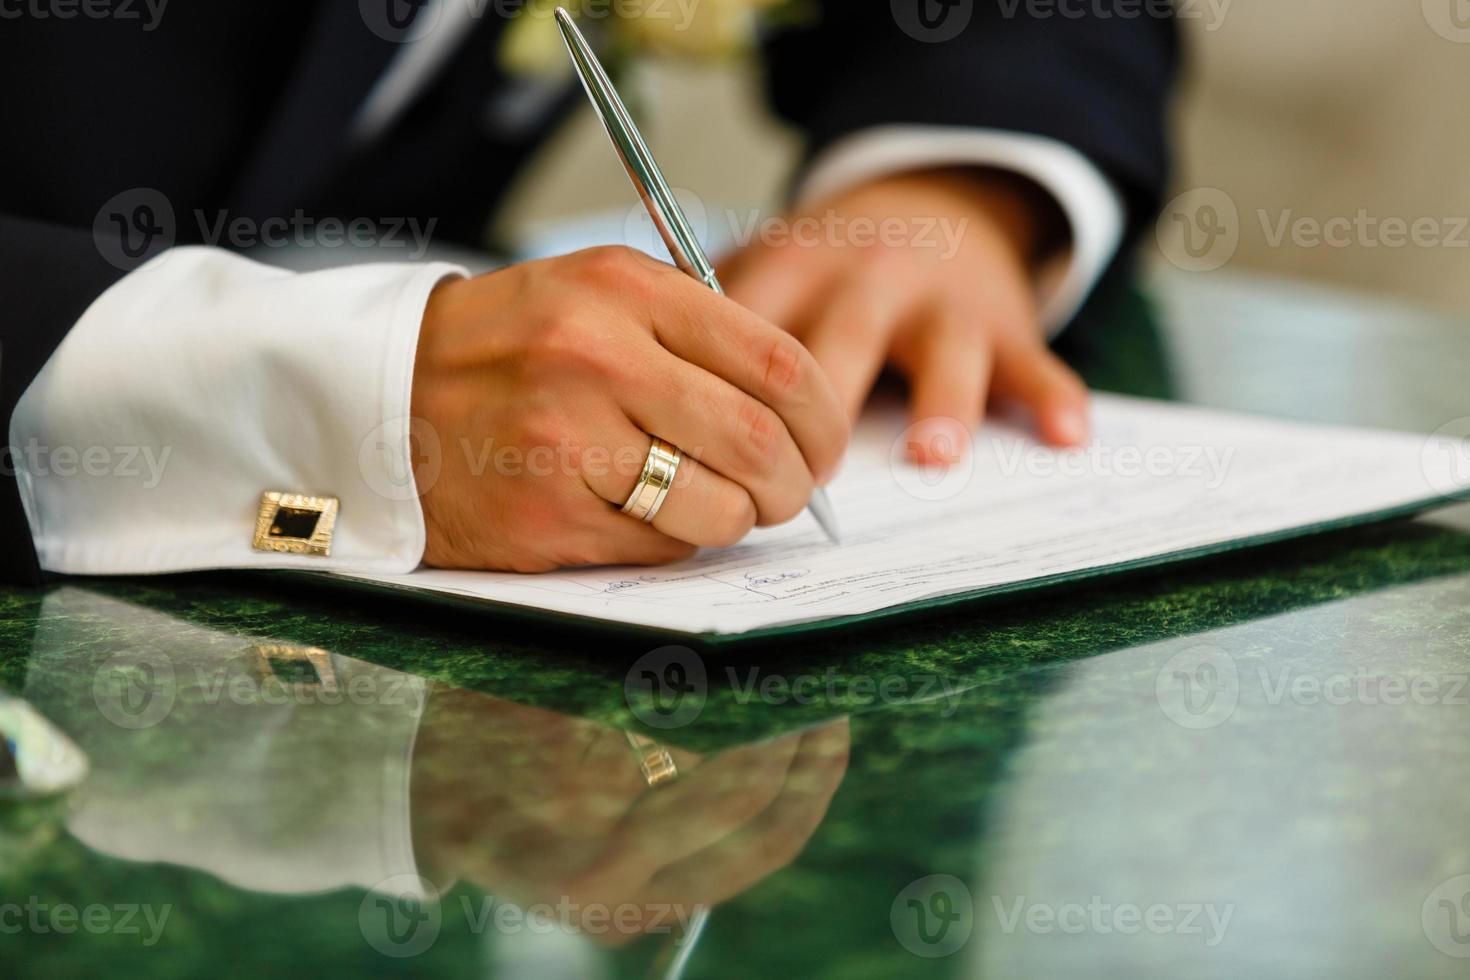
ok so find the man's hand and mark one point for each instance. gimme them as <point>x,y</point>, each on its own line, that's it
<point>944,293</point>
<point>538,807</point>
<point>540,385</point>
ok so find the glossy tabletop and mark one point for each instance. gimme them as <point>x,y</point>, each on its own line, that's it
<point>1252,766</point>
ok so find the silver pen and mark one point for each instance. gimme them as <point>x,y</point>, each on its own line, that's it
<point>667,216</point>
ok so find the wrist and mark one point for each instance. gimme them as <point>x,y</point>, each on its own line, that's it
<point>1022,209</point>
<point>1007,206</point>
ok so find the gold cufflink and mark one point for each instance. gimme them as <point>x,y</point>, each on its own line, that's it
<point>295,523</point>
<point>297,668</point>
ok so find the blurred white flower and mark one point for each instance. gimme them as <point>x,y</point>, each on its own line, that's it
<point>701,29</point>
<point>692,29</point>
<point>531,45</point>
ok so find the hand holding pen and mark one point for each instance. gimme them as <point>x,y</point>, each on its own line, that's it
<point>677,234</point>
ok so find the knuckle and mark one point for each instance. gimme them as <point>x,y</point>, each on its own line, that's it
<point>758,430</point>
<point>622,277</point>
<point>784,364</point>
<point>556,331</point>
<point>611,266</point>
<point>565,342</point>
<point>878,260</point>
<point>542,429</point>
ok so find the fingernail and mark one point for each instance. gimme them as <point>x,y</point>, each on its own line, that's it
<point>1071,426</point>
<point>938,441</point>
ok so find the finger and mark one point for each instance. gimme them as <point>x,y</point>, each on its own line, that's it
<point>727,340</point>
<point>773,839</point>
<point>1029,373</point>
<point>702,508</point>
<point>742,439</point>
<point>693,812</point>
<point>606,537</point>
<point>625,541</point>
<point>777,284</point>
<point>851,336</point>
<point>608,754</point>
<point>609,538</point>
<point>709,510</point>
<point>947,379</point>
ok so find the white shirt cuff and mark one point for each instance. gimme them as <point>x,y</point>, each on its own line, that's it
<point>254,740</point>
<point>203,379</point>
<point>1092,206</point>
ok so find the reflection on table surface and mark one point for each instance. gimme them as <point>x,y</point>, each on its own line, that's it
<point>1210,775</point>
<point>285,769</point>
<point>1250,766</point>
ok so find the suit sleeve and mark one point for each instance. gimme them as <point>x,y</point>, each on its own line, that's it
<point>1097,84</point>
<point>49,275</point>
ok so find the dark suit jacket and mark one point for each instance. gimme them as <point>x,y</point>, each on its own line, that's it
<point>244,105</point>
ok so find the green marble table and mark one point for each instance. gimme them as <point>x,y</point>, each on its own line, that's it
<point>1251,766</point>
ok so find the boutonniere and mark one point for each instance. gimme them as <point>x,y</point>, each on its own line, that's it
<point>697,30</point>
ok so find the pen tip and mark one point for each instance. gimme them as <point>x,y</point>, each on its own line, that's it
<point>562,17</point>
<point>821,509</point>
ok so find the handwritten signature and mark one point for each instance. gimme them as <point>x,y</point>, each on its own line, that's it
<point>755,581</point>
<point>623,584</point>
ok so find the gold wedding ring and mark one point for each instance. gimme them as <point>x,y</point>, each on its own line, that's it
<point>654,482</point>
<point>654,760</point>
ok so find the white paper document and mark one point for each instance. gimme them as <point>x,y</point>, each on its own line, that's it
<point>1159,480</point>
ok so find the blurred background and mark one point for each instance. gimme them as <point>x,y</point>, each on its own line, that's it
<point>1335,130</point>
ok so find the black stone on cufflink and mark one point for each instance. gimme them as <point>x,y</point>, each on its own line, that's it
<point>295,523</point>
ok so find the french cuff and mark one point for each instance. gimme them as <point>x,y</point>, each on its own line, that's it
<point>1093,208</point>
<point>202,381</point>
